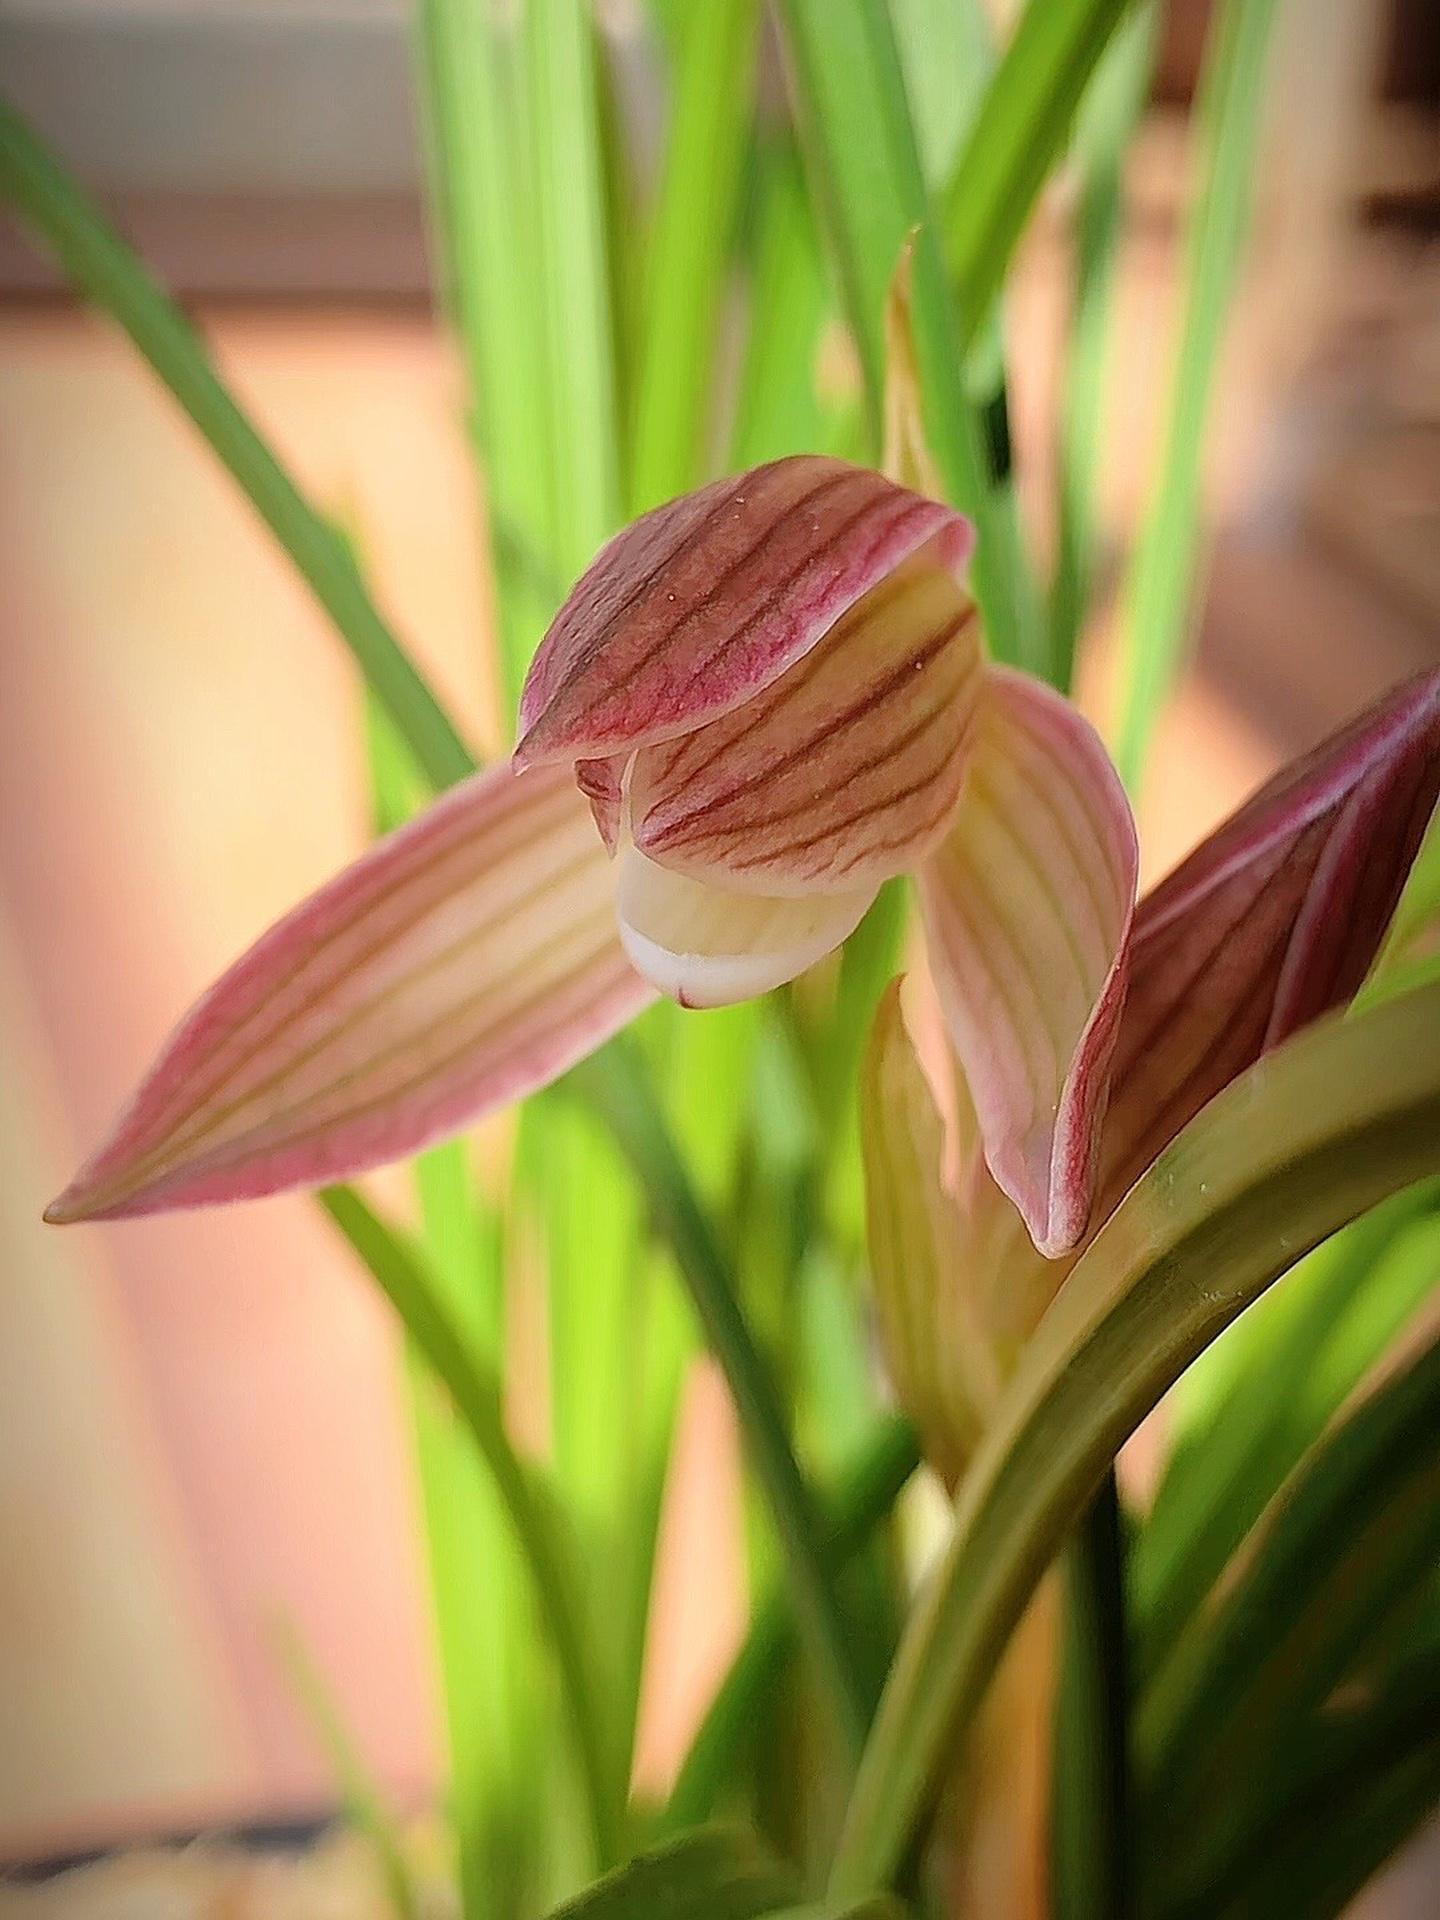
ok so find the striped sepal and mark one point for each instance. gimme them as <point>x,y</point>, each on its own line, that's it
<point>463,961</point>
<point>1272,921</point>
<point>1028,904</point>
<point>699,605</point>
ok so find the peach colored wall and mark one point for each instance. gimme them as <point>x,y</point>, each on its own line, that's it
<point>200,1426</point>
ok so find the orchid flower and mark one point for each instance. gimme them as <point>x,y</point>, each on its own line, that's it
<point>761,702</point>
<point>1272,921</point>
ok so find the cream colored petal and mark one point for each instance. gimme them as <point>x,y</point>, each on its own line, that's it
<point>707,947</point>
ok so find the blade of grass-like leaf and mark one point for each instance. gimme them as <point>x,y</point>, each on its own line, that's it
<point>870,190</point>
<point>1019,133</point>
<point>590,1229</point>
<point>363,1803</point>
<point>716,1874</point>
<point>98,262</point>
<point>778,409</point>
<point>869,1493</point>
<point>1318,1781</point>
<point>483,1619</point>
<point>626,1100</point>
<point>580,403</point>
<point>947,50</point>
<point>1349,1535</point>
<point>1318,1872</point>
<point>1108,117</point>
<point>477,1397</point>
<point>1091,1867</point>
<point>714,56</point>
<point>1157,596</point>
<point>1326,1126</point>
<point>1313,1339</point>
<point>475,114</point>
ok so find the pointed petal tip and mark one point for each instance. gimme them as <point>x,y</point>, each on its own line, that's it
<point>1029,904</point>
<point>67,1209</point>
<point>460,964</point>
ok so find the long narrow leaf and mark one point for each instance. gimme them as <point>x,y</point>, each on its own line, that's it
<point>475,112</point>
<point>1346,1538</point>
<point>363,1801</point>
<point>104,268</point>
<point>870,1492</point>
<point>1157,601</point>
<point>478,1401</point>
<point>1314,1340</point>
<point>1108,117</point>
<point>690,247</point>
<point>633,1118</point>
<point>1016,138</point>
<point>847,77</point>
<point>1326,1126</point>
<point>580,402</point>
<point>779,409</point>
<point>1316,1796</point>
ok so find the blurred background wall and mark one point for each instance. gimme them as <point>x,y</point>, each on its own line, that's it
<point>200,1430</point>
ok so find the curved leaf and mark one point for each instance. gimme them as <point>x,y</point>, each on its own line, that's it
<point>714,1874</point>
<point>1330,1124</point>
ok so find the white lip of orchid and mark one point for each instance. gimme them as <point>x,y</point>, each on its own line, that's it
<point>706,945</point>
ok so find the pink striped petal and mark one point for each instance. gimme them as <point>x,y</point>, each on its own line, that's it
<point>702,603</point>
<point>1028,904</point>
<point>1274,920</point>
<point>840,773</point>
<point>707,947</point>
<point>464,961</point>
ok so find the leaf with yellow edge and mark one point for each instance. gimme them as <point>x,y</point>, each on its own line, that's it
<point>1312,1135</point>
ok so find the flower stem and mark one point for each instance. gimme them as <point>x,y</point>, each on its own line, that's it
<point>1091,1815</point>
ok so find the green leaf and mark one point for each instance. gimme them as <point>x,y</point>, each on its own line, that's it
<point>1411,954</point>
<point>1335,1799</point>
<point>1158,592</point>
<point>475,1389</point>
<point>476,117</point>
<point>1016,138</point>
<point>867,1496</point>
<point>690,248</point>
<point>99,263</point>
<point>625,1098</point>
<point>947,51</point>
<point>1350,1536</point>
<point>715,1874</point>
<point>778,409</point>
<point>580,405</point>
<point>1320,1333</point>
<point>872,196</point>
<point>1091,1868</point>
<point>1316,1872</point>
<point>1109,114</point>
<point>1326,1126</point>
<point>364,1804</point>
